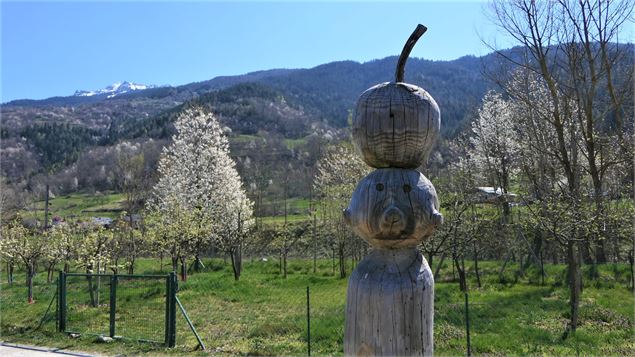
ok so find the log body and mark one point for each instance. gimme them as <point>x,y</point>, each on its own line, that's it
<point>390,305</point>
<point>395,125</point>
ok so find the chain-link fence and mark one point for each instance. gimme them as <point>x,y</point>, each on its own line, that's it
<point>327,311</point>
<point>87,304</point>
<point>265,313</point>
<point>139,307</point>
<point>275,319</point>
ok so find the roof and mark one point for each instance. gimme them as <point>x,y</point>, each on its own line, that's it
<point>498,191</point>
<point>103,221</point>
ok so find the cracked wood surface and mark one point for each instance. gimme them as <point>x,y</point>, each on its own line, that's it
<point>394,208</point>
<point>390,305</point>
<point>395,125</point>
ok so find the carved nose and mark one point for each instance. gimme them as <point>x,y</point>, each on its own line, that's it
<point>394,217</point>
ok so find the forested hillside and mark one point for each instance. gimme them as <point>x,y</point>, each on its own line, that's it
<point>278,122</point>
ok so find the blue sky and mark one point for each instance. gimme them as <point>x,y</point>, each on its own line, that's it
<point>54,48</point>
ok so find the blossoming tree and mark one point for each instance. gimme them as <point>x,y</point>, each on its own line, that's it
<point>199,179</point>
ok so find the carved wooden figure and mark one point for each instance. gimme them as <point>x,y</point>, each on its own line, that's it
<point>395,123</point>
<point>389,303</point>
<point>394,208</point>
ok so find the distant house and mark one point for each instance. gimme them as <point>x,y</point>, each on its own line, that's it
<point>57,220</point>
<point>102,221</point>
<point>493,195</point>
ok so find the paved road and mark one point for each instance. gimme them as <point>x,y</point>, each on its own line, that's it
<point>13,350</point>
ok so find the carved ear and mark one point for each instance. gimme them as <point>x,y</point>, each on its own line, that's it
<point>436,218</point>
<point>347,216</point>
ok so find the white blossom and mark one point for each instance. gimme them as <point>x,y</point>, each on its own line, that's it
<point>198,175</point>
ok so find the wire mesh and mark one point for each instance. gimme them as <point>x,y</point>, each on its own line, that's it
<point>140,308</point>
<point>13,299</point>
<point>251,321</point>
<point>264,313</point>
<point>328,307</point>
<point>88,304</point>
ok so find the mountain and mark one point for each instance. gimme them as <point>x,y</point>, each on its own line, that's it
<point>327,92</point>
<point>113,89</point>
<point>277,120</point>
<point>324,95</point>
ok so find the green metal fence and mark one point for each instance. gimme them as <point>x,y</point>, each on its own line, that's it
<point>140,307</point>
<point>144,308</point>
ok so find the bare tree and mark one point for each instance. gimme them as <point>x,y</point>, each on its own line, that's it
<point>286,237</point>
<point>134,182</point>
<point>571,47</point>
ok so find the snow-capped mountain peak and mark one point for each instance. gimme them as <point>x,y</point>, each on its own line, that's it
<point>114,89</point>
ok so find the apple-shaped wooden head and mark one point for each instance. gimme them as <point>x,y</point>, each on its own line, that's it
<point>394,208</point>
<point>395,125</point>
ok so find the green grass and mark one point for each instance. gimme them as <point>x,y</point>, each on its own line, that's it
<point>279,220</point>
<point>242,138</point>
<point>297,211</point>
<point>263,314</point>
<point>79,205</point>
<point>82,205</point>
<point>294,143</point>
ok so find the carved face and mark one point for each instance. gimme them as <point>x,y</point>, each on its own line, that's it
<point>395,125</point>
<point>394,208</point>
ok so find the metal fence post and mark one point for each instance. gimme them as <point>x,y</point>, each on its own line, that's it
<point>167,310</point>
<point>308,321</point>
<point>113,304</point>
<point>189,322</point>
<point>467,325</point>
<point>61,311</point>
<point>170,311</point>
<point>173,310</point>
<point>57,304</point>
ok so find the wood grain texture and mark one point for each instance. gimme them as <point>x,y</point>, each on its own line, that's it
<point>394,208</point>
<point>395,125</point>
<point>390,305</point>
<point>405,52</point>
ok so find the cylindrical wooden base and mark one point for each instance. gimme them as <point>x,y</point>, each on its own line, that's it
<point>390,305</point>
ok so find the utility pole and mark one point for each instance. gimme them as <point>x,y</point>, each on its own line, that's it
<point>46,208</point>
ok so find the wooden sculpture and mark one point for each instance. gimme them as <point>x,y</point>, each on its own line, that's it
<point>389,303</point>
<point>396,123</point>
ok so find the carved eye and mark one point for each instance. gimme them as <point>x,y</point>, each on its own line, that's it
<point>379,187</point>
<point>407,188</point>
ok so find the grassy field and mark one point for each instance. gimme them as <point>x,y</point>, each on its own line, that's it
<point>83,205</point>
<point>297,211</point>
<point>79,205</point>
<point>294,143</point>
<point>263,314</point>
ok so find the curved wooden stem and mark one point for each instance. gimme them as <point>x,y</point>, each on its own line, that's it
<point>401,64</point>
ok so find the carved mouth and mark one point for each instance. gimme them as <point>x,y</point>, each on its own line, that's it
<point>390,229</point>
<point>393,235</point>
